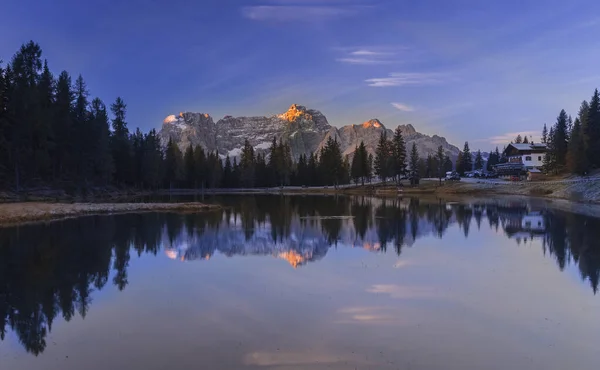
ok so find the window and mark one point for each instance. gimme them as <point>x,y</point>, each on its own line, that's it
<point>528,158</point>
<point>539,158</point>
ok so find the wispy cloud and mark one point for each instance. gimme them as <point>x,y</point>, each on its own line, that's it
<point>509,136</point>
<point>303,11</point>
<point>403,107</point>
<point>363,61</point>
<point>371,55</point>
<point>406,79</point>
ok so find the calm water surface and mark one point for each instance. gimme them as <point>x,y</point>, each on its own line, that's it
<point>305,283</point>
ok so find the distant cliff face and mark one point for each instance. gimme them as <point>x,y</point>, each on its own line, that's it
<point>305,130</point>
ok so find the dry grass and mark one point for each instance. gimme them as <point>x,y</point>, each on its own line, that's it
<point>16,213</point>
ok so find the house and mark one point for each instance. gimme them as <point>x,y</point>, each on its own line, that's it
<point>521,158</point>
<point>530,155</point>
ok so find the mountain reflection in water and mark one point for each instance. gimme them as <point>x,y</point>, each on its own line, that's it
<point>48,271</point>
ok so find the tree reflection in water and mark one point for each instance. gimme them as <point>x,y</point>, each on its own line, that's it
<point>51,270</point>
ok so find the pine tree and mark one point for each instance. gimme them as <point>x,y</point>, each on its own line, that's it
<point>355,170</point>
<point>4,125</point>
<point>560,140</point>
<point>583,113</point>
<point>592,133</point>
<point>152,161</point>
<point>262,173</point>
<point>331,163</point>
<point>173,164</point>
<point>460,164</point>
<point>137,146</point>
<point>576,156</point>
<point>83,146</point>
<point>493,159</point>
<point>370,165</point>
<point>545,134</point>
<point>525,140</point>
<point>467,160</point>
<point>102,163</point>
<point>447,164</point>
<point>200,163</point>
<point>550,156</point>
<point>247,165</point>
<point>63,127</point>
<point>227,179</point>
<point>479,160</point>
<point>121,147</point>
<point>236,176</point>
<point>399,154</point>
<point>383,158</point>
<point>518,139</point>
<point>414,159</point>
<point>313,171</point>
<point>25,109</point>
<point>44,138</point>
<point>189,167</point>
<point>440,159</point>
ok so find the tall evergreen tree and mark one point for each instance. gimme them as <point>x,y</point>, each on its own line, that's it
<point>102,163</point>
<point>189,167</point>
<point>560,140</point>
<point>63,127</point>
<point>550,156</point>
<point>173,164</point>
<point>83,146</point>
<point>26,111</point>
<point>383,158</point>
<point>544,134</point>
<point>525,140</point>
<point>152,161</point>
<point>137,150</point>
<point>479,160</point>
<point>200,163</point>
<point>593,130</point>
<point>414,159</point>
<point>399,154</point>
<point>227,179</point>
<point>583,113</point>
<point>576,156</point>
<point>121,147</point>
<point>467,160</point>
<point>447,164</point>
<point>460,164</point>
<point>331,163</point>
<point>518,139</point>
<point>44,138</point>
<point>247,165</point>
<point>440,160</point>
<point>355,171</point>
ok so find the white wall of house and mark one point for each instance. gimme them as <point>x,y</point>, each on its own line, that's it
<point>531,160</point>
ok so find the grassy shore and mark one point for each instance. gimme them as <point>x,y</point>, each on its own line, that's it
<point>17,213</point>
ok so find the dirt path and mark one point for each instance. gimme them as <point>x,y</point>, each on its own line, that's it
<point>14,213</point>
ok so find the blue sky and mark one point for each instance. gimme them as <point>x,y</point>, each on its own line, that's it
<point>465,69</point>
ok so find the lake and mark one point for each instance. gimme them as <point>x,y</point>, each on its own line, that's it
<point>305,282</point>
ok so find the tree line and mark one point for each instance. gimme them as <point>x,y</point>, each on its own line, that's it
<point>573,146</point>
<point>53,133</point>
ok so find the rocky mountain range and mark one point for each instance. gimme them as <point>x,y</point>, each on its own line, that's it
<point>305,130</point>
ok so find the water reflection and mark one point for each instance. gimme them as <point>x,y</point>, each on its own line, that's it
<point>51,270</point>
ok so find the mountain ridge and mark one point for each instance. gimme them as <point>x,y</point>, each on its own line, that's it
<point>305,130</point>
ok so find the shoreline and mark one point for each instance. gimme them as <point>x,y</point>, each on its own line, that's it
<point>22,213</point>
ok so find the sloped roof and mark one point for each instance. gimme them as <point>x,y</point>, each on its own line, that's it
<point>527,146</point>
